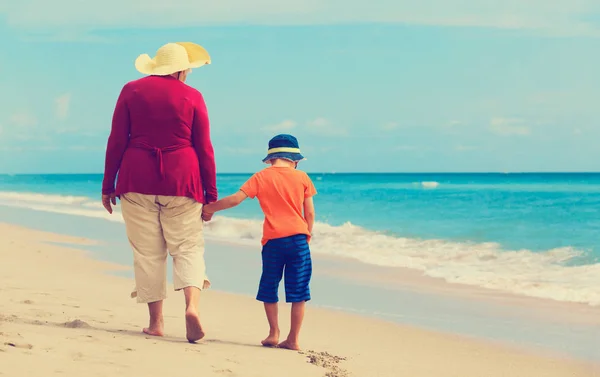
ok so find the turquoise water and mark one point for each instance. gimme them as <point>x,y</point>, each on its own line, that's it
<point>531,234</point>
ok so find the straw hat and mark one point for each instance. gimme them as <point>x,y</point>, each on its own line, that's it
<point>171,58</point>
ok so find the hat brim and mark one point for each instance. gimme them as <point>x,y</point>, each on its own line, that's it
<point>146,65</point>
<point>197,57</point>
<point>284,155</point>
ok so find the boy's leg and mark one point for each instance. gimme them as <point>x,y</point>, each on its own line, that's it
<point>273,263</point>
<point>272,312</point>
<point>298,273</point>
<point>292,341</point>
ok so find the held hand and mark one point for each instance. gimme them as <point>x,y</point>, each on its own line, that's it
<point>107,200</point>
<point>207,216</point>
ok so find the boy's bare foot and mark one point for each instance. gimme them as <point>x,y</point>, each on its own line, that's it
<point>272,340</point>
<point>289,345</point>
<point>193,327</point>
<point>155,329</point>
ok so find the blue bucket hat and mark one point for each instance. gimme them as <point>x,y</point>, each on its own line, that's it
<point>284,146</point>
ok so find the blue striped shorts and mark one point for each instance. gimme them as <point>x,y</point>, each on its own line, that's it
<point>292,255</point>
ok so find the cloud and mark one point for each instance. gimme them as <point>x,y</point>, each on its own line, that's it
<point>87,148</point>
<point>40,148</point>
<point>407,148</point>
<point>51,148</point>
<point>242,151</point>
<point>284,126</point>
<point>559,17</point>
<point>23,119</point>
<point>390,126</point>
<point>455,123</point>
<point>509,127</point>
<point>324,127</point>
<point>62,104</point>
<point>465,148</point>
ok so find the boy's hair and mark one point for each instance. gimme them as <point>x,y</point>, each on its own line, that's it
<point>274,160</point>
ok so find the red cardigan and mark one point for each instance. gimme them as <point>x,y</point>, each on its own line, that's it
<point>160,142</point>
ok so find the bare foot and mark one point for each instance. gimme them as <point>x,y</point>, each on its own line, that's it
<point>155,329</point>
<point>288,345</point>
<point>272,340</point>
<point>192,326</point>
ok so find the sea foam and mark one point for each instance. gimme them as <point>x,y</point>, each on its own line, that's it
<point>549,274</point>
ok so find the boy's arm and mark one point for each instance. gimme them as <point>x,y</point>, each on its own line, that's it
<point>225,203</point>
<point>309,213</point>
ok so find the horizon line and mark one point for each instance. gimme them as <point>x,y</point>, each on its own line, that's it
<point>357,172</point>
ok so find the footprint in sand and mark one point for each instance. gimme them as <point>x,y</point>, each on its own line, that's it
<point>19,345</point>
<point>77,324</point>
<point>327,361</point>
<point>227,372</point>
<point>40,313</point>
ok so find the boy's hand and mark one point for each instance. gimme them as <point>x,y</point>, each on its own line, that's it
<point>207,216</point>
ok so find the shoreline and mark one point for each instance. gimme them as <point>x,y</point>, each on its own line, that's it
<point>421,279</point>
<point>39,315</point>
<point>405,278</point>
<point>543,267</point>
<point>395,295</point>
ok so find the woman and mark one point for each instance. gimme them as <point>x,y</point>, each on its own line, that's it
<point>160,146</point>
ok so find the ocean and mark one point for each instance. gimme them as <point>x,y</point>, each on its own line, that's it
<point>528,234</point>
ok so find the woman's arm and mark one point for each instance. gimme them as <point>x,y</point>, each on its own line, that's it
<point>117,142</point>
<point>204,150</point>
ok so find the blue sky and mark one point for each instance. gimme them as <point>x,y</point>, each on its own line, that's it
<point>384,85</point>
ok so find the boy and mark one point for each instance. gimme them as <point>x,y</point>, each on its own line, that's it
<point>286,198</point>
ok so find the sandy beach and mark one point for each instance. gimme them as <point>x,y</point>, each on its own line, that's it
<point>64,313</point>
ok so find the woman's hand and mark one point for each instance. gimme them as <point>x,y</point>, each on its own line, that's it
<point>107,200</point>
<point>207,216</point>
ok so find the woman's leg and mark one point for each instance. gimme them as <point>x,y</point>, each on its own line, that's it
<point>141,216</point>
<point>181,220</point>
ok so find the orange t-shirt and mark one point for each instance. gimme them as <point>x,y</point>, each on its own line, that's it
<point>281,192</point>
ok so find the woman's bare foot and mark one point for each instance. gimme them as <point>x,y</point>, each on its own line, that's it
<point>272,340</point>
<point>193,327</point>
<point>289,345</point>
<point>156,328</point>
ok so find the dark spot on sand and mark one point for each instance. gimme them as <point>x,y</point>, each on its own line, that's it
<point>28,302</point>
<point>77,324</point>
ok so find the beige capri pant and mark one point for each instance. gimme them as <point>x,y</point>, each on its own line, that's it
<point>154,225</point>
